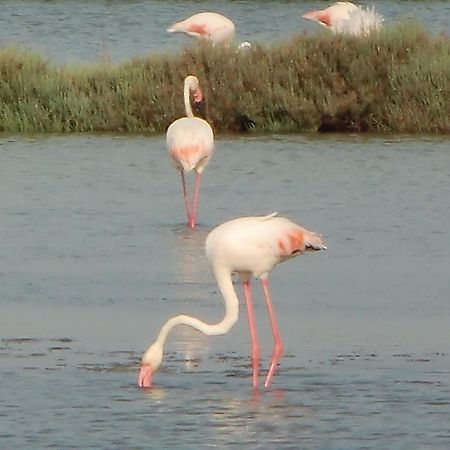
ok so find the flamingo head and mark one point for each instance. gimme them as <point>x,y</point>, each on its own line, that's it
<point>193,97</point>
<point>193,85</point>
<point>150,362</point>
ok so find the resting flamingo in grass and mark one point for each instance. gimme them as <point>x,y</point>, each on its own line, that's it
<point>210,26</point>
<point>190,143</point>
<point>347,18</point>
<point>247,246</point>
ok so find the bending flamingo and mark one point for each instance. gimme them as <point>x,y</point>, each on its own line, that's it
<point>247,246</point>
<point>348,18</point>
<point>213,27</point>
<point>190,143</point>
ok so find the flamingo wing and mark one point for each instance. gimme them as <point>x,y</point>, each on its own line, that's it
<point>211,26</point>
<point>348,18</point>
<point>330,17</point>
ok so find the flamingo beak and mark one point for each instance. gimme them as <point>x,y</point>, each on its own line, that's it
<point>199,103</point>
<point>198,95</point>
<point>145,376</point>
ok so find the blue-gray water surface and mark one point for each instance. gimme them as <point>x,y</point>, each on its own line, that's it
<point>95,256</point>
<point>91,30</point>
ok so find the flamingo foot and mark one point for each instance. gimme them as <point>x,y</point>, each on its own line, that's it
<point>277,353</point>
<point>145,376</point>
<point>192,222</point>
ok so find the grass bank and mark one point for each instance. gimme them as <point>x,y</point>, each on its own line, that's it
<point>396,81</point>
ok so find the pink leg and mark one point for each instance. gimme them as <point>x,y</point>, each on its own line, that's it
<point>278,345</point>
<point>253,336</point>
<point>193,218</point>
<point>186,200</point>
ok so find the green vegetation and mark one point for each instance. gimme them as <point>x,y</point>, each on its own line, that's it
<point>394,81</point>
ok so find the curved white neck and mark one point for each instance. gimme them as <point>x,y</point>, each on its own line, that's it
<point>225,283</point>
<point>187,101</point>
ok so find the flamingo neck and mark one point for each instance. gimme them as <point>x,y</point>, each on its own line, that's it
<point>187,101</point>
<point>223,278</point>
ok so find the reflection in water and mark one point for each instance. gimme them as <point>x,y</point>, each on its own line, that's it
<point>192,345</point>
<point>190,270</point>
<point>237,418</point>
<point>188,248</point>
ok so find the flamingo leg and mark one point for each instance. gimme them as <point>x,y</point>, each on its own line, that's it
<point>193,217</point>
<point>278,345</point>
<point>255,352</point>
<point>185,196</point>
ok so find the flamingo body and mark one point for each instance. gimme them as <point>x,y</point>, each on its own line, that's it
<point>190,143</point>
<point>347,18</point>
<point>247,246</point>
<point>254,245</point>
<point>206,25</point>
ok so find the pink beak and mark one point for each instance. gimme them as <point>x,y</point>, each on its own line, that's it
<point>198,95</point>
<point>145,376</point>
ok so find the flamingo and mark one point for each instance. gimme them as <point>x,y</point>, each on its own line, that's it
<point>211,26</point>
<point>190,143</point>
<point>348,18</point>
<point>247,246</point>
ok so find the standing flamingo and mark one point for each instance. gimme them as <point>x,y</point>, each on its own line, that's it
<point>190,143</point>
<point>247,246</point>
<point>213,27</point>
<point>348,18</point>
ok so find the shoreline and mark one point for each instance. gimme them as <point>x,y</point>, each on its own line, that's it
<point>390,82</point>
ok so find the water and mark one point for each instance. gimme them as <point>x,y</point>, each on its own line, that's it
<point>96,256</point>
<point>88,30</point>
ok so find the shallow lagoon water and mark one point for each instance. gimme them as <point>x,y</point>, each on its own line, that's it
<point>96,255</point>
<point>73,31</point>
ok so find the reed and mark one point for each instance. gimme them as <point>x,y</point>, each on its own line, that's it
<point>393,81</point>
